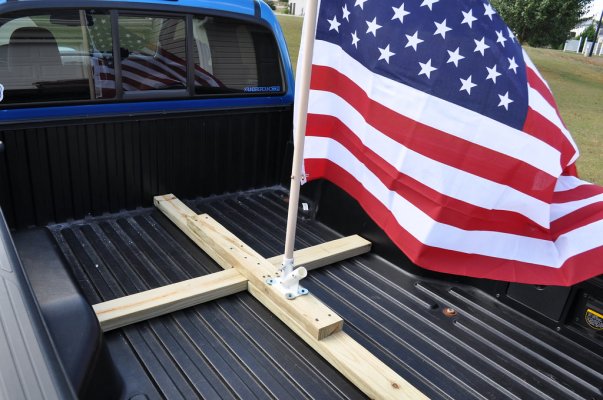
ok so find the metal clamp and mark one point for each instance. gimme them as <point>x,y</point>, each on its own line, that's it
<point>287,280</point>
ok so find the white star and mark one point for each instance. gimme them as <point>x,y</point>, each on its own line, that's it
<point>441,29</point>
<point>511,35</point>
<point>501,38</point>
<point>492,73</point>
<point>480,45</point>
<point>512,64</point>
<point>426,69</point>
<point>334,24</point>
<point>346,13</point>
<point>505,101</point>
<point>455,57</point>
<point>413,40</point>
<point>468,18</point>
<point>467,85</point>
<point>360,3</point>
<point>489,11</point>
<point>385,54</point>
<point>429,3</point>
<point>355,39</point>
<point>373,26</point>
<point>400,13</point>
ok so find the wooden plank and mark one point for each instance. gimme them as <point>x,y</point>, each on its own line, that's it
<point>356,363</point>
<point>229,251</point>
<point>327,253</point>
<point>315,318</point>
<point>138,307</point>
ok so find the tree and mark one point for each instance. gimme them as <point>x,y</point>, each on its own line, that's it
<point>541,22</point>
<point>589,33</point>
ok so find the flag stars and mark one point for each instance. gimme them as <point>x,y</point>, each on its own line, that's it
<point>355,39</point>
<point>489,11</point>
<point>512,64</point>
<point>429,3</point>
<point>511,34</point>
<point>454,57</point>
<point>468,18</point>
<point>501,38</point>
<point>467,85</point>
<point>492,73</point>
<point>505,101</point>
<point>334,24</point>
<point>441,29</point>
<point>372,27</point>
<point>426,69</point>
<point>346,13</point>
<point>360,3</point>
<point>413,41</point>
<point>385,54</point>
<point>400,13</point>
<point>480,45</point>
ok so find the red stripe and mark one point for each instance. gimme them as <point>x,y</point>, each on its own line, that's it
<point>578,193</point>
<point>133,66</point>
<point>442,208</point>
<point>577,219</point>
<point>435,144</point>
<point>537,84</point>
<point>574,270</point>
<point>543,129</point>
<point>570,170</point>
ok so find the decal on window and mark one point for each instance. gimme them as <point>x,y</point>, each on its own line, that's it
<point>262,89</point>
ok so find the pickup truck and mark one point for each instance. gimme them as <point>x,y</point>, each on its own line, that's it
<point>106,104</point>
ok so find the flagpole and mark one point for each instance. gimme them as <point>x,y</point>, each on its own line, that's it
<point>302,85</point>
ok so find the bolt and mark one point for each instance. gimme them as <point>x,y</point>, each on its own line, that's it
<point>449,312</point>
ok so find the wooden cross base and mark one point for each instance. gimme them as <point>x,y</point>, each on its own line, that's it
<point>245,269</point>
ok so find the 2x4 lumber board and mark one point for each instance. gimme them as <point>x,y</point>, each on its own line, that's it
<point>327,253</point>
<point>141,306</point>
<point>318,320</point>
<point>229,251</point>
<point>361,367</point>
<point>152,303</point>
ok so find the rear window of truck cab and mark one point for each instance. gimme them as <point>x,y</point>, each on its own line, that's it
<point>101,55</point>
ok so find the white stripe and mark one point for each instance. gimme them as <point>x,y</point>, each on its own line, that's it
<point>544,108</point>
<point>440,114</point>
<point>565,183</point>
<point>435,234</point>
<point>143,80</point>
<point>559,210</point>
<point>150,72</point>
<point>531,65</point>
<point>438,176</point>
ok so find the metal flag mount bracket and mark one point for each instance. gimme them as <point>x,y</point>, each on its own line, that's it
<point>287,280</point>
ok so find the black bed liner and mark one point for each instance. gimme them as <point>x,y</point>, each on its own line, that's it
<point>234,347</point>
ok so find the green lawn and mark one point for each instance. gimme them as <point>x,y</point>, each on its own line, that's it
<point>577,83</point>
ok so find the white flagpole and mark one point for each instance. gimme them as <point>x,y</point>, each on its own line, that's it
<point>302,85</point>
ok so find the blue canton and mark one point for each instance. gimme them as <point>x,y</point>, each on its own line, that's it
<point>459,51</point>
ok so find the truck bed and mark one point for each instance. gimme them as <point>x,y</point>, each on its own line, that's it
<point>235,348</point>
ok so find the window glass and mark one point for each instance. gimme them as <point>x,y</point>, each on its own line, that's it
<point>67,55</point>
<point>43,58</point>
<point>100,49</point>
<point>230,56</point>
<point>153,53</point>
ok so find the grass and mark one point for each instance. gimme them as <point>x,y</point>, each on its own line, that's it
<point>576,81</point>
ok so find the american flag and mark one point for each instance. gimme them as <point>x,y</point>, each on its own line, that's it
<point>142,68</point>
<point>430,114</point>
